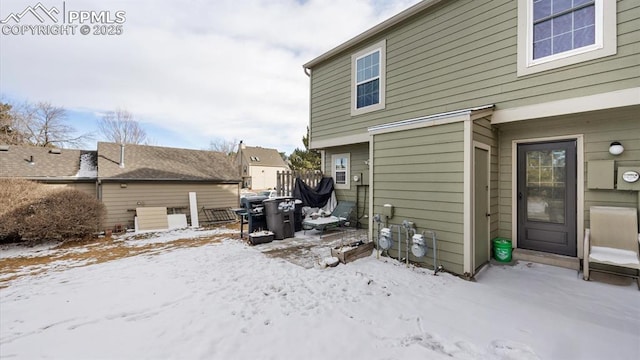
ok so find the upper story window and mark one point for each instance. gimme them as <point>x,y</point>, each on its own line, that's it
<point>555,33</point>
<point>562,25</point>
<point>368,79</point>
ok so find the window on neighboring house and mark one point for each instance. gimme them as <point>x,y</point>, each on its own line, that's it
<point>340,170</point>
<point>368,79</point>
<point>555,33</point>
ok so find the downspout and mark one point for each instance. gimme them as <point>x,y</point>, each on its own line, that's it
<point>306,71</point>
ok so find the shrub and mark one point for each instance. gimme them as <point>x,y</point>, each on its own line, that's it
<point>18,192</point>
<point>49,214</point>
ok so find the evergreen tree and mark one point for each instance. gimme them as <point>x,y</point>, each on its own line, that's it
<point>305,159</point>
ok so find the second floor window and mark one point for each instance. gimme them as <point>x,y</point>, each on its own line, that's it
<point>562,25</point>
<point>368,80</point>
<point>557,33</point>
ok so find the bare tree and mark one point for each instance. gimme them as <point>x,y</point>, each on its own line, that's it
<point>228,147</point>
<point>120,127</point>
<point>45,125</point>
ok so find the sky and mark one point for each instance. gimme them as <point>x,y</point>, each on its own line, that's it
<point>191,72</point>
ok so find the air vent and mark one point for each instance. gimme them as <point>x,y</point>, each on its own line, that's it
<point>4,147</point>
<point>55,151</point>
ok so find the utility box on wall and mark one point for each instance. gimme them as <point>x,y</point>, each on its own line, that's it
<point>600,174</point>
<point>629,178</point>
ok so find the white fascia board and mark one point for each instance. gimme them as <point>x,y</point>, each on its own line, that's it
<point>339,141</point>
<point>609,100</point>
<point>432,120</point>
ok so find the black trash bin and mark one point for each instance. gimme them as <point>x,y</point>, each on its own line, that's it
<point>280,217</point>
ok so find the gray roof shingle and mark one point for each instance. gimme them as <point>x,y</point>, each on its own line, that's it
<point>263,157</point>
<point>144,162</point>
<point>15,161</point>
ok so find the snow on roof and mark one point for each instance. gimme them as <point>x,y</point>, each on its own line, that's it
<point>88,166</point>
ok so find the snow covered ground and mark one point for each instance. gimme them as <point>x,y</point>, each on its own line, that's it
<point>226,300</point>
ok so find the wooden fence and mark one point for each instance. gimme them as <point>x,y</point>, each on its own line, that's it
<point>287,179</point>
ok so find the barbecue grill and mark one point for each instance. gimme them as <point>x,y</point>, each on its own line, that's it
<point>254,212</point>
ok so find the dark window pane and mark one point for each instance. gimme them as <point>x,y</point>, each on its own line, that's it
<point>541,9</point>
<point>368,93</point>
<point>561,5</point>
<point>584,17</point>
<point>562,43</point>
<point>542,30</point>
<point>584,37</point>
<point>562,24</point>
<point>542,49</point>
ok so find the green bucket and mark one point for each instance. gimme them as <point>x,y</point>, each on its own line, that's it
<point>502,249</point>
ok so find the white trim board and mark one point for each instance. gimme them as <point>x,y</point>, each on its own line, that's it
<point>433,120</point>
<point>467,198</point>
<point>339,141</point>
<point>609,100</point>
<point>408,124</point>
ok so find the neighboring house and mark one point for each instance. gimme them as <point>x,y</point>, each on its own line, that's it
<point>481,119</point>
<point>130,177</point>
<point>259,166</point>
<point>54,167</point>
<point>149,176</point>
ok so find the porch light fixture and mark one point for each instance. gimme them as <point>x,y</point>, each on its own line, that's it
<point>616,148</point>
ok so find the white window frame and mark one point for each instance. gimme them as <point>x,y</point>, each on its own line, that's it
<point>605,40</point>
<point>382,48</point>
<point>347,184</point>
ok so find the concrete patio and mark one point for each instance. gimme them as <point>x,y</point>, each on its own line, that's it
<point>306,249</point>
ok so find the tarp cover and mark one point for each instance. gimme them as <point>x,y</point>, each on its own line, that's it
<point>311,197</point>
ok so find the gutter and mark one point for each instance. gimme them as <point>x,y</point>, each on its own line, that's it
<point>217,181</point>
<point>52,178</point>
<point>394,20</point>
<point>427,119</point>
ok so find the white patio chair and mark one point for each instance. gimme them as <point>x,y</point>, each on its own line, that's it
<point>612,239</point>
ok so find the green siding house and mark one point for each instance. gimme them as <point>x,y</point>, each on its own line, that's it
<point>481,119</point>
